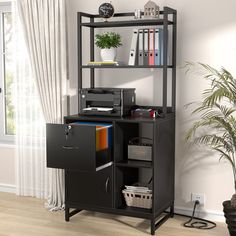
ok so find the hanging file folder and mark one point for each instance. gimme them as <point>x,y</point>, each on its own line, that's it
<point>103,134</point>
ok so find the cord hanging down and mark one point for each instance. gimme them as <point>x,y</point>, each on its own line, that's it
<point>197,223</point>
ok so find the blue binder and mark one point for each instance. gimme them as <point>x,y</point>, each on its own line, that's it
<point>158,47</point>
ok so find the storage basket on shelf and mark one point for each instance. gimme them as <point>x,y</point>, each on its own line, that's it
<point>136,199</point>
<point>140,148</point>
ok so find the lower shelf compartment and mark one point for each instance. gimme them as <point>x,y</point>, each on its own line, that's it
<point>135,209</point>
<point>122,210</point>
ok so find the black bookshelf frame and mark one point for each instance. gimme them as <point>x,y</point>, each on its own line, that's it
<point>168,17</point>
<point>163,147</point>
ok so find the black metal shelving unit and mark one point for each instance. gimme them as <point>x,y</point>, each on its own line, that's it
<point>168,19</point>
<point>90,188</point>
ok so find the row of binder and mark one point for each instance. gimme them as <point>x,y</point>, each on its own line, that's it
<point>146,47</point>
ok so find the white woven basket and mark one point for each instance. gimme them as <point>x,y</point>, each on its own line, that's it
<point>134,199</point>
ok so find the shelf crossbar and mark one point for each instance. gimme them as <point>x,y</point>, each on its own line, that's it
<point>124,23</point>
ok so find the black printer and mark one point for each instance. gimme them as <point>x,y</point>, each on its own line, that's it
<point>106,101</point>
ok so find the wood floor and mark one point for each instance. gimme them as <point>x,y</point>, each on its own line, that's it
<point>25,216</point>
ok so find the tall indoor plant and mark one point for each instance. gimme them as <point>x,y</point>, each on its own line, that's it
<point>216,127</point>
<point>108,42</point>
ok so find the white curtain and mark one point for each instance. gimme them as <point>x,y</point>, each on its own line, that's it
<point>43,23</point>
<point>31,174</point>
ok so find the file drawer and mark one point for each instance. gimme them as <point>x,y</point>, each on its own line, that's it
<point>78,146</point>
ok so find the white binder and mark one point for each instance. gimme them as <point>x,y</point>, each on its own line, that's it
<point>140,47</point>
<point>133,48</point>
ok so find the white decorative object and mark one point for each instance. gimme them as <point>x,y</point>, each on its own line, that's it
<point>151,10</point>
<point>108,54</point>
<point>138,14</point>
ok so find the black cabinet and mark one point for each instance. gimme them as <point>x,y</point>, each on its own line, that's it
<point>89,188</point>
<point>95,176</point>
<point>100,189</point>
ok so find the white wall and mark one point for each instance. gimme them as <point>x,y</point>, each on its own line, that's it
<point>7,168</point>
<point>206,33</point>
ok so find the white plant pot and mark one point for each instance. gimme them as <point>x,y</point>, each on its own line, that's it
<point>108,54</point>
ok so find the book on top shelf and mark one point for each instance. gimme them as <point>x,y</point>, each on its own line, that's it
<point>105,63</point>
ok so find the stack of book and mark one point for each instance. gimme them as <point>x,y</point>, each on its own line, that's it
<point>137,189</point>
<point>146,47</point>
<point>105,63</point>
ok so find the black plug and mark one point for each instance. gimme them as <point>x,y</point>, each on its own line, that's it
<point>197,202</point>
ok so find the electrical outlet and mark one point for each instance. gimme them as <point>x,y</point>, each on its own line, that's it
<point>198,197</point>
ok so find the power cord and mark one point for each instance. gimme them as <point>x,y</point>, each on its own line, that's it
<point>197,223</point>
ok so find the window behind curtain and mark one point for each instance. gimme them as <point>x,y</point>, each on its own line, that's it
<point>7,110</point>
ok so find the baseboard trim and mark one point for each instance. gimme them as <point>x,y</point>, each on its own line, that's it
<point>217,216</point>
<point>7,188</point>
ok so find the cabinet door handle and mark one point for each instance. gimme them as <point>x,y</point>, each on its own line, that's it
<point>106,185</point>
<point>70,147</point>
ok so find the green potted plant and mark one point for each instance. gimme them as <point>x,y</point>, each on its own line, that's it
<point>216,127</point>
<point>108,42</point>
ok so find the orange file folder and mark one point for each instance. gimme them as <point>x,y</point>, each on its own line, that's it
<point>101,138</point>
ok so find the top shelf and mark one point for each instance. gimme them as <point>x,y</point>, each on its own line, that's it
<point>126,23</point>
<point>117,20</point>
